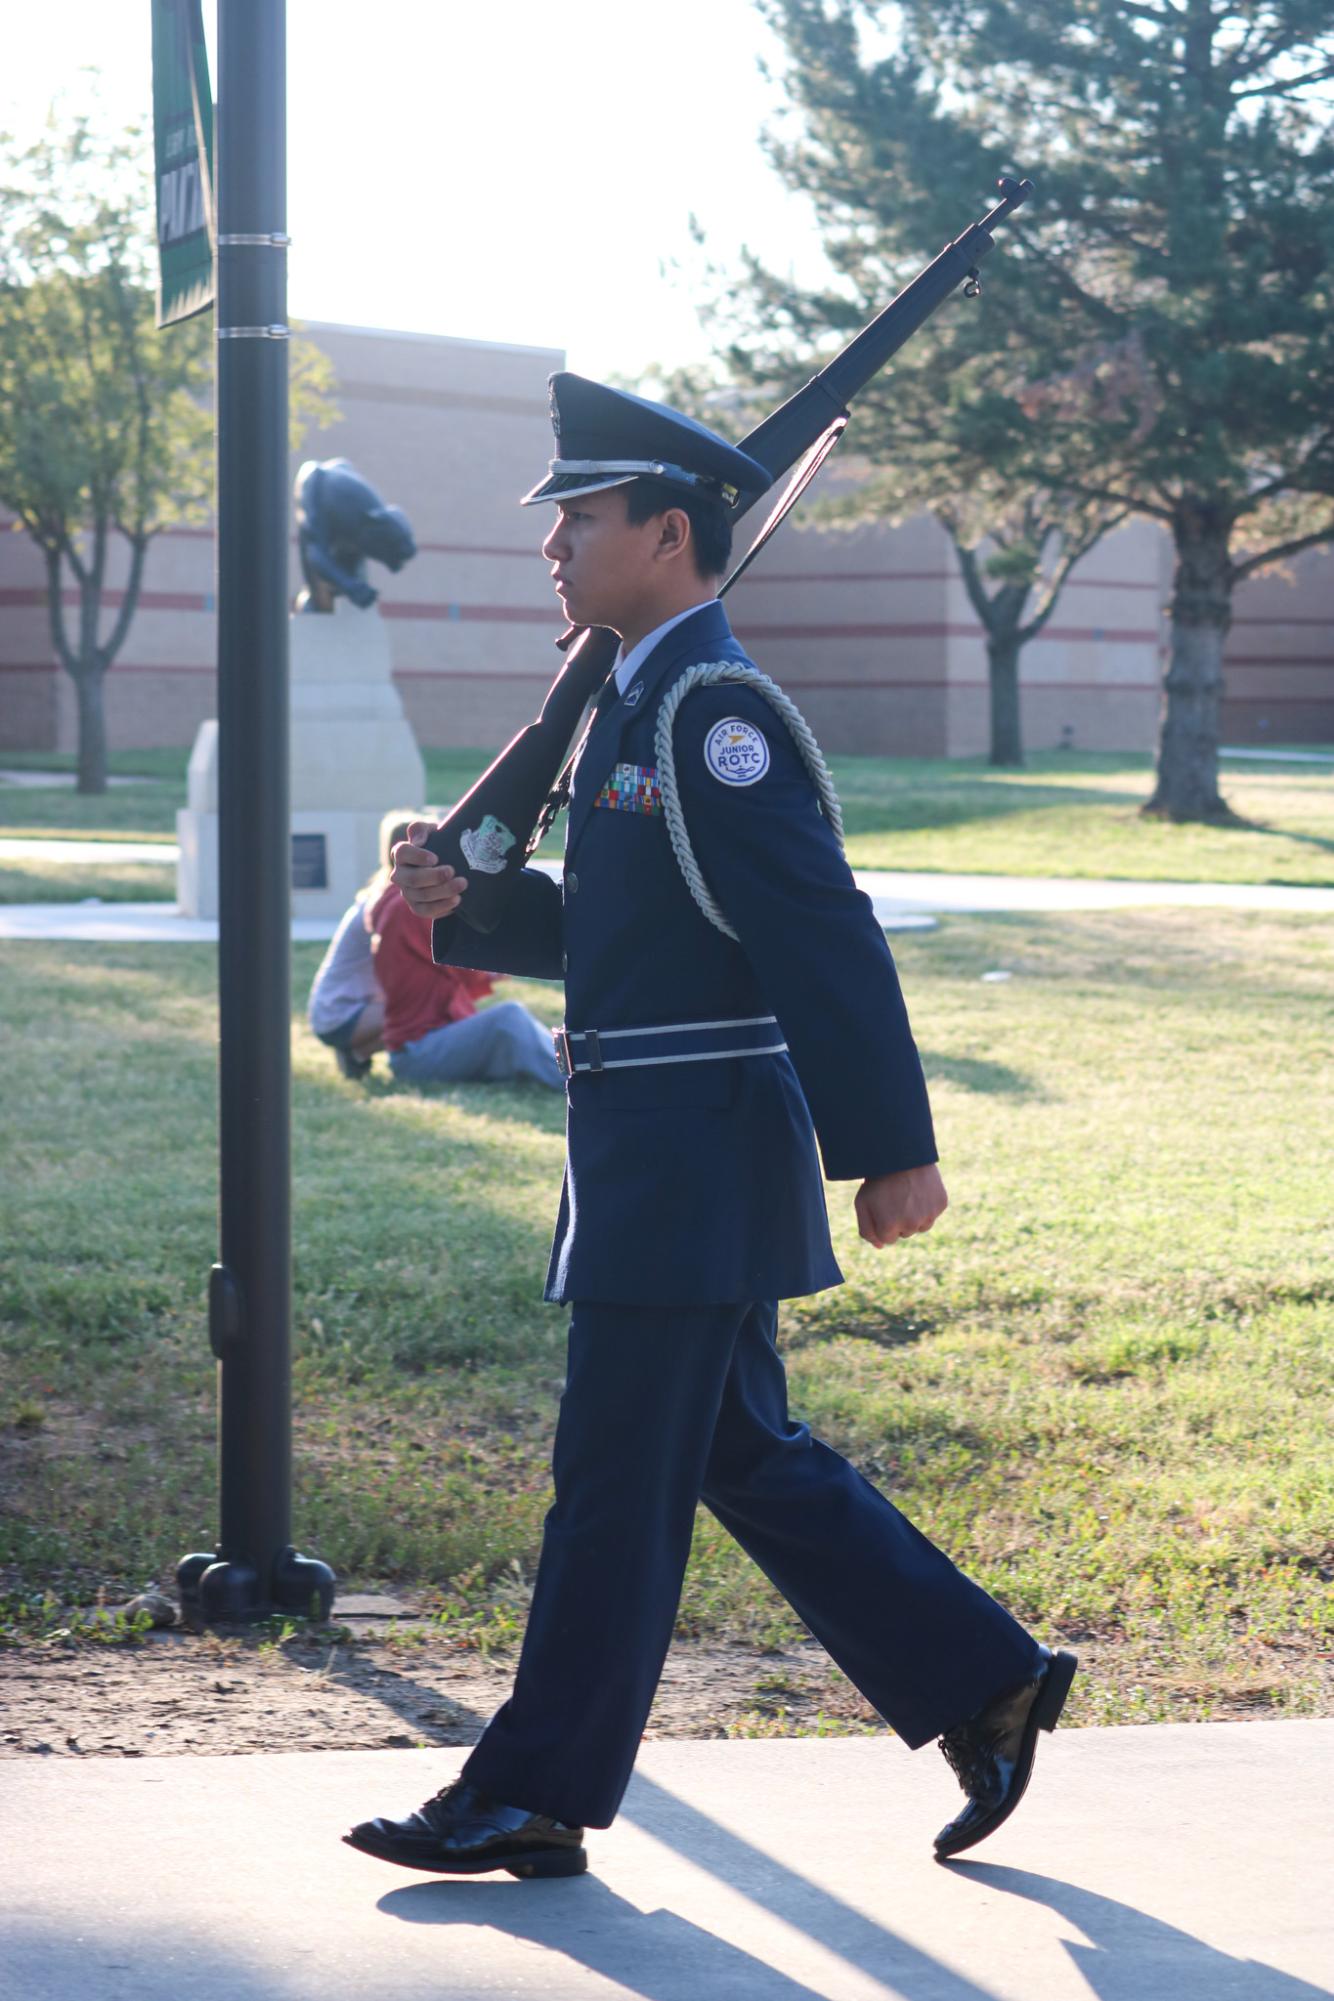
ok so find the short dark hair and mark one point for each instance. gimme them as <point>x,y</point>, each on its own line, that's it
<point>710,523</point>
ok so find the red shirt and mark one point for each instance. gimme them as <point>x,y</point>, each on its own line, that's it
<point>418,994</point>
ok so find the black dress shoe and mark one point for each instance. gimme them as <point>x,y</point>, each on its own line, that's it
<point>463,1832</point>
<point>992,1754</point>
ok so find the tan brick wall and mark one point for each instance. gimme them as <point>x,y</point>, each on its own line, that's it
<point>451,431</point>
<point>1278,667</point>
<point>870,629</point>
<point>28,716</point>
<point>28,719</point>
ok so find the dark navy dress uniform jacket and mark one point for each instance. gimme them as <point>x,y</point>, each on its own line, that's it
<point>698,1183</point>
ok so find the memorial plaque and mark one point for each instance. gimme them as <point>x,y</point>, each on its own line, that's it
<point>310,867</point>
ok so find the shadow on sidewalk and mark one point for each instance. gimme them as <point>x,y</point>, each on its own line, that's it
<point>661,1956</point>
<point>655,1954</point>
<point>1131,1956</point>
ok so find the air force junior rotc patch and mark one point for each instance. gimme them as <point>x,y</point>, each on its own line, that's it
<point>736,752</point>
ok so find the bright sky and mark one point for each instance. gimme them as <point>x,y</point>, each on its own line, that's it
<point>509,171</point>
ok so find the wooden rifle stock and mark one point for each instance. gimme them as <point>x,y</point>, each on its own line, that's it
<point>490,834</point>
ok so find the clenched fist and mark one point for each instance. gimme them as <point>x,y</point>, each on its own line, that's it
<point>892,1206</point>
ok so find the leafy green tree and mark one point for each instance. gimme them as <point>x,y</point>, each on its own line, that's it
<point>1166,345</point>
<point>1014,569</point>
<point>106,425</point>
<point>924,446</point>
<point>1016,540</point>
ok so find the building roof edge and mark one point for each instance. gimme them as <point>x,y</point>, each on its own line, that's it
<point>406,333</point>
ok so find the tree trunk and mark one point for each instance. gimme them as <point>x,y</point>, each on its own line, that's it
<point>1187,763</point>
<point>1007,741</point>
<point>92,732</point>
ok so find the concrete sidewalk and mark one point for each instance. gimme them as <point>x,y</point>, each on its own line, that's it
<point>902,902</point>
<point>99,923</point>
<point>85,854</point>
<point>1175,1863</point>
<point>901,893</point>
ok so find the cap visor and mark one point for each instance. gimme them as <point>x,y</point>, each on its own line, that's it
<point>557,485</point>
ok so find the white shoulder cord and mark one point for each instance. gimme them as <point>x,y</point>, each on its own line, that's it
<point>707,674</point>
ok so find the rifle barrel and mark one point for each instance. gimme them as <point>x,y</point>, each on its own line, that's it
<point>515,790</point>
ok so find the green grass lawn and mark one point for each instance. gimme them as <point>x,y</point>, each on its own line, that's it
<point>45,881</point>
<point>142,811</point>
<point>1064,815</point>
<point>1067,816</point>
<point>1103,1383</point>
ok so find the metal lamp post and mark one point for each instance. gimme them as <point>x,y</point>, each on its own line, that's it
<point>254,1571</point>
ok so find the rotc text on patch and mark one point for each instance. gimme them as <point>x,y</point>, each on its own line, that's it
<point>736,752</point>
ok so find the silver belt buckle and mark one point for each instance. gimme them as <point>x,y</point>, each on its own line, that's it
<point>564,1061</point>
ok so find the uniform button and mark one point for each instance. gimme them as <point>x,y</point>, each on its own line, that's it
<point>572,883</point>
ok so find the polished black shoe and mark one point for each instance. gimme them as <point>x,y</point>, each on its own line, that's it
<point>992,1754</point>
<point>463,1832</point>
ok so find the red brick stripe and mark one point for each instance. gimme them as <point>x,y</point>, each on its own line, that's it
<point>1279,702</point>
<point>475,614</point>
<point>936,628</point>
<point>1280,660</point>
<point>112,599</point>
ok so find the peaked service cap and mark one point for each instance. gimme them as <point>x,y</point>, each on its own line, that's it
<point>606,437</point>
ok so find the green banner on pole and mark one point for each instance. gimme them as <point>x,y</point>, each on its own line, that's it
<point>183,150</point>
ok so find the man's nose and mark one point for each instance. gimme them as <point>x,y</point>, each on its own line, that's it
<point>555,546</point>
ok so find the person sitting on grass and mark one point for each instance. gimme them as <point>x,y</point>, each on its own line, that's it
<point>431,1024</point>
<point>345,1009</point>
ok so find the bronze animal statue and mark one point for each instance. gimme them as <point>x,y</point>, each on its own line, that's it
<point>341,523</point>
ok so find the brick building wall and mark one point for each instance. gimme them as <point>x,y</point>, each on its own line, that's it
<point>1279,661</point>
<point>870,629</point>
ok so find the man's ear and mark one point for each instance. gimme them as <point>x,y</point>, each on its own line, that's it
<point>673,534</point>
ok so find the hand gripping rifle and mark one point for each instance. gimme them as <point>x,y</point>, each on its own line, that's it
<point>494,829</point>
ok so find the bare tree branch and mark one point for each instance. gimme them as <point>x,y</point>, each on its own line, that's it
<point>129,601</point>
<point>70,551</point>
<point>1287,87</point>
<point>1290,479</point>
<point>1282,550</point>
<point>56,615</point>
<point>1129,503</point>
<point>1046,604</point>
<point>972,576</point>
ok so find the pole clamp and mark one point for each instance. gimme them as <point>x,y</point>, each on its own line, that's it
<point>226,1313</point>
<point>274,239</point>
<point>253,333</point>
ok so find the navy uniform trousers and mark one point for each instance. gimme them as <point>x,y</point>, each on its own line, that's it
<point>693,1202</point>
<point>666,1407</point>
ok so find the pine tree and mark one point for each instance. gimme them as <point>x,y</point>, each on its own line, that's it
<point>1166,345</point>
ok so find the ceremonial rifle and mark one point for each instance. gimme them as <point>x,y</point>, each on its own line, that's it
<point>494,829</point>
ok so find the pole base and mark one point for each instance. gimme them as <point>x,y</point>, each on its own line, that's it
<point>218,1592</point>
<point>188,1573</point>
<point>304,1585</point>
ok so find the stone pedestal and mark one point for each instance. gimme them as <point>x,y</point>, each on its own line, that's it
<point>354,758</point>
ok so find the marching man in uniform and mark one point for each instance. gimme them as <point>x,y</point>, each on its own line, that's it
<point>730,1000</point>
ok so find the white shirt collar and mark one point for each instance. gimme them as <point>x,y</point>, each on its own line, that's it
<point>629,664</point>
